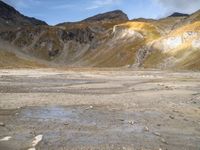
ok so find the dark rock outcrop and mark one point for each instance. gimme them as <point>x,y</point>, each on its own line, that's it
<point>177,14</point>
<point>10,17</point>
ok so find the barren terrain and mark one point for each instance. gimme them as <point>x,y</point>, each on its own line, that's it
<point>99,109</point>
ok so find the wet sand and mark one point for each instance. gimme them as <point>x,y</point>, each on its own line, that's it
<point>99,109</point>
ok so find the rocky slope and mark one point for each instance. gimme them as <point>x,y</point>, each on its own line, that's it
<point>112,40</point>
<point>10,17</point>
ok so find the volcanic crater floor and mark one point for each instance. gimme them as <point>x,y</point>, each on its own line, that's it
<point>107,109</point>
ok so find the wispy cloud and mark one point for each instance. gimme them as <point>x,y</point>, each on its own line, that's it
<point>65,6</point>
<point>102,3</point>
<point>184,6</point>
<point>20,4</point>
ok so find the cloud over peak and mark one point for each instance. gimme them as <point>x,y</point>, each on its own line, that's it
<point>183,6</point>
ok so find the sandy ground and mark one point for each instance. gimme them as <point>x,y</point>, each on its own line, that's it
<point>92,109</point>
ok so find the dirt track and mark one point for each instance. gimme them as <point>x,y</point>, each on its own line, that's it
<point>91,109</point>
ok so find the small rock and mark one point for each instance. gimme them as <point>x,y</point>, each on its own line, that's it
<point>131,122</point>
<point>172,117</point>
<point>160,149</point>
<point>156,133</point>
<point>91,107</point>
<point>2,124</point>
<point>159,125</point>
<point>146,129</point>
<point>163,141</point>
<point>66,124</point>
<point>175,111</point>
<point>7,138</point>
<point>37,140</point>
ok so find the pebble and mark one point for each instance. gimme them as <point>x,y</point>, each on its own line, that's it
<point>7,138</point>
<point>91,107</point>
<point>163,141</point>
<point>37,140</point>
<point>146,129</point>
<point>156,133</point>
<point>172,117</point>
<point>2,124</point>
<point>175,111</point>
<point>131,122</point>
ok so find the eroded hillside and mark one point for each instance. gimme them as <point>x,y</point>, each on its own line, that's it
<point>112,40</point>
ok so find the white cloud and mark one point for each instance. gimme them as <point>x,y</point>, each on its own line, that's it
<point>102,3</point>
<point>183,6</point>
<point>66,6</point>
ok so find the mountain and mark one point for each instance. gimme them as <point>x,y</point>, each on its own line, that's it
<point>176,14</point>
<point>10,17</point>
<point>113,15</point>
<point>111,40</point>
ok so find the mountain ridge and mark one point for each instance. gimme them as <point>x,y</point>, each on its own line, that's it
<point>9,16</point>
<point>112,40</point>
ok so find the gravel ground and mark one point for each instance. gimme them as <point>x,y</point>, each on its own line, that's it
<point>99,109</point>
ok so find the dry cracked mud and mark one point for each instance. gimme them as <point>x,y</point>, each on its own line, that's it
<point>99,109</point>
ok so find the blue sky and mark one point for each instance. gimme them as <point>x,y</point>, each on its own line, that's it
<point>57,11</point>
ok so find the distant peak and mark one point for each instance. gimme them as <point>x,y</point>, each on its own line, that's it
<point>112,15</point>
<point>177,14</point>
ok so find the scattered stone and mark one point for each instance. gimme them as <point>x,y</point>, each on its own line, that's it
<point>66,124</point>
<point>36,140</point>
<point>146,129</point>
<point>7,138</point>
<point>91,107</point>
<point>156,133</point>
<point>2,124</point>
<point>171,117</point>
<point>163,141</point>
<point>160,149</point>
<point>175,111</point>
<point>131,122</point>
<point>158,124</point>
<point>32,148</point>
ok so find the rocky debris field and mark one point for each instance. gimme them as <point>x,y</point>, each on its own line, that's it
<point>99,109</point>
